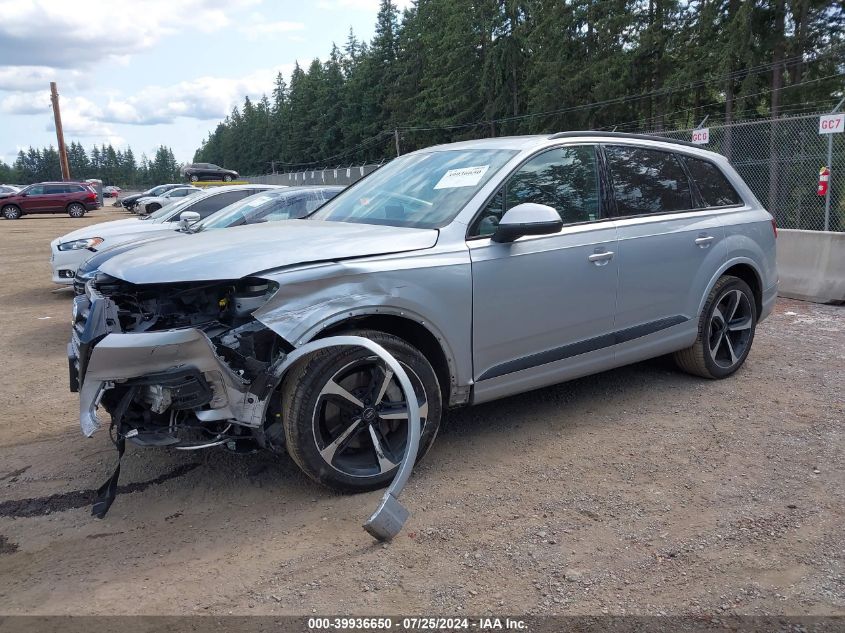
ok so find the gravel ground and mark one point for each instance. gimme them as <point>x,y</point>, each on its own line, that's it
<point>637,491</point>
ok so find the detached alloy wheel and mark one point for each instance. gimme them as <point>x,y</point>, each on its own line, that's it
<point>725,331</point>
<point>75,210</point>
<point>346,418</point>
<point>11,212</point>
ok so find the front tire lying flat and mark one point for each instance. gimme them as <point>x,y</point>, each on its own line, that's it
<point>725,331</point>
<point>343,415</point>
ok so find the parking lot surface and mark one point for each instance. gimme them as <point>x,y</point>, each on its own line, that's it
<point>637,491</point>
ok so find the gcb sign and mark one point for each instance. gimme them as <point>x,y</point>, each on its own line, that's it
<point>701,136</point>
<point>832,123</point>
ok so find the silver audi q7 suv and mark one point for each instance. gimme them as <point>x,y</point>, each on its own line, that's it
<point>486,268</point>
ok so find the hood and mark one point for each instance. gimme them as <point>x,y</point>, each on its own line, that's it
<point>244,250</point>
<point>93,263</point>
<point>6,194</point>
<point>129,226</point>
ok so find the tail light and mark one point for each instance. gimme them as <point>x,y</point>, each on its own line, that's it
<point>91,196</point>
<point>775,227</point>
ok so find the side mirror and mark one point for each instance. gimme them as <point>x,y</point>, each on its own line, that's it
<point>527,218</point>
<point>187,218</point>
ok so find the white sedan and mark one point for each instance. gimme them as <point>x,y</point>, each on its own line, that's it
<point>153,203</point>
<point>69,251</point>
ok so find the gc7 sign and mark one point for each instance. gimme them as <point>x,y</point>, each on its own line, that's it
<point>832,123</point>
<point>701,136</point>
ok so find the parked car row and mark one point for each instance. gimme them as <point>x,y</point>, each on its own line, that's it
<point>220,207</point>
<point>129,202</point>
<point>486,268</point>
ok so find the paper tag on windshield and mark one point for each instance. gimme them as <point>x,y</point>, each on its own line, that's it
<point>463,177</point>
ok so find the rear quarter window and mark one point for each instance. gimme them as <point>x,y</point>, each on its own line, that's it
<point>714,187</point>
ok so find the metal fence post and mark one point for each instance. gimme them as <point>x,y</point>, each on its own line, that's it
<point>830,167</point>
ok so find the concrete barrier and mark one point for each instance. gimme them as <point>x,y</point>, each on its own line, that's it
<point>811,265</point>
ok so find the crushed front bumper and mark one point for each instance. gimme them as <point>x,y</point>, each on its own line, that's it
<point>100,356</point>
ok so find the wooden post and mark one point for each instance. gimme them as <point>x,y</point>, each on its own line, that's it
<point>60,135</point>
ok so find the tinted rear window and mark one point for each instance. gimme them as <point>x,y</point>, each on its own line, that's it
<point>714,188</point>
<point>647,181</point>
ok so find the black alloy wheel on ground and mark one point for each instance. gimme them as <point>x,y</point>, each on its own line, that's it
<point>725,331</point>
<point>345,416</point>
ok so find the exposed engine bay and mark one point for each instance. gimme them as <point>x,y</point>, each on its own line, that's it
<point>166,408</point>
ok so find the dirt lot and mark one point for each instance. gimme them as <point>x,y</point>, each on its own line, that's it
<point>641,490</point>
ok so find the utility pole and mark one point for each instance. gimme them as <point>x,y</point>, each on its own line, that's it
<point>60,135</point>
<point>396,138</point>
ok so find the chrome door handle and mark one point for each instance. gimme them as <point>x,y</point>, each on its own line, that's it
<point>601,257</point>
<point>704,240</point>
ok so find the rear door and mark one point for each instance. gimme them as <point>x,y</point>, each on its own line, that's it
<point>544,303</point>
<point>670,243</point>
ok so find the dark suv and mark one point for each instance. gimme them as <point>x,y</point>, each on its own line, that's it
<point>206,171</point>
<point>72,198</point>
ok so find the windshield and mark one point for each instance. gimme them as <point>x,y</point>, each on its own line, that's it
<point>269,206</point>
<point>424,190</point>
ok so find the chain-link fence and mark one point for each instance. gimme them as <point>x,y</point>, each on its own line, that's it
<point>780,160</point>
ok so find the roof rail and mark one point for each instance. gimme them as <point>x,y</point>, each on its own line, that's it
<point>640,137</point>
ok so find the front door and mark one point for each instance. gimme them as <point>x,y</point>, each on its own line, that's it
<point>544,302</point>
<point>34,200</point>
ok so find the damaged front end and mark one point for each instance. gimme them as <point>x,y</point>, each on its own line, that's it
<point>188,367</point>
<point>188,354</point>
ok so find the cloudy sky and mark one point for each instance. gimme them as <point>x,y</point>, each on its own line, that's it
<point>151,72</point>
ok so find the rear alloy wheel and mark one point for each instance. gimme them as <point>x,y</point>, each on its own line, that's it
<point>346,418</point>
<point>11,212</point>
<point>725,331</point>
<point>75,210</point>
<point>227,178</point>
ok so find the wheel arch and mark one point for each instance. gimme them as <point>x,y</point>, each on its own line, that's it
<point>417,333</point>
<point>744,269</point>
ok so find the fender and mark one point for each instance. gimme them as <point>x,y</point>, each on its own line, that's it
<point>721,271</point>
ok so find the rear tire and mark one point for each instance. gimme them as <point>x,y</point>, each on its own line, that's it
<point>333,440</point>
<point>11,212</point>
<point>76,210</point>
<point>725,331</point>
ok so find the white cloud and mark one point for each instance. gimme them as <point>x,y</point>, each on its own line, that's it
<point>26,103</point>
<point>258,28</point>
<point>204,98</point>
<point>358,5</point>
<point>37,78</point>
<point>64,34</point>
